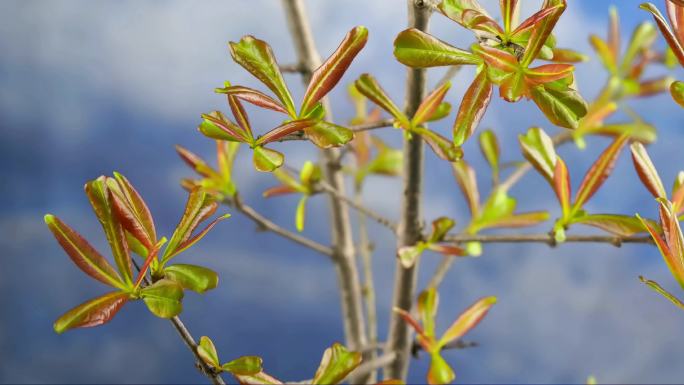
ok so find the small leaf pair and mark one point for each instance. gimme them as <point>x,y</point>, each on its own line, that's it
<point>440,372</point>
<point>674,35</point>
<point>671,246</point>
<point>651,180</point>
<point>440,227</point>
<point>538,149</point>
<point>431,108</point>
<point>309,176</point>
<point>217,182</point>
<point>128,225</point>
<point>243,366</point>
<point>336,364</point>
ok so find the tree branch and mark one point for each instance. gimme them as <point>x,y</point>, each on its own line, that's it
<point>268,225</point>
<point>359,207</point>
<point>410,225</point>
<point>342,239</point>
<point>356,128</point>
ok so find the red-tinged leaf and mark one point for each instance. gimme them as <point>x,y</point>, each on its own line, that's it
<point>428,301</point>
<point>473,107</point>
<point>548,73</point>
<point>448,250</point>
<point>599,172</point>
<point>561,55</point>
<point>198,208</point>
<point>509,12</point>
<point>440,228</point>
<point>537,147</point>
<point>429,105</point>
<point>531,218</point>
<point>561,185</point>
<point>257,57</point>
<point>467,320</point>
<point>441,146</point>
<point>659,289</point>
<point>654,86</point>
<point>391,381</point>
<point>671,38</point>
<point>198,164</point>
<point>496,58</point>
<point>542,30</point>
<point>563,108</point>
<point>677,91</point>
<point>329,73</point>
<point>621,225</point>
<point>131,210</point>
<point>101,200</point>
<point>253,96</point>
<point>673,235</point>
<point>418,49</point>
<point>647,171</point>
<point>326,135</point>
<point>82,253</point>
<point>207,351</point>
<point>216,126</point>
<point>197,237</point>
<point>532,21</point>
<point>337,362</point>
<point>478,21</point>
<point>240,114</point>
<point>151,255</point>
<point>467,181</point>
<point>439,372</point>
<point>614,32</point>
<point>92,313</point>
<point>423,337</point>
<point>673,261</point>
<point>489,146</point>
<point>513,87</point>
<point>267,160</point>
<point>369,87</point>
<point>678,193</point>
<point>260,378</point>
<point>284,130</point>
<point>675,12</point>
<point>442,111</point>
<point>453,9</point>
<point>278,191</point>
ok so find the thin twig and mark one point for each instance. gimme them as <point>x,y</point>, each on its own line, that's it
<point>355,128</point>
<point>548,239</point>
<point>293,68</point>
<point>410,225</point>
<point>359,207</point>
<point>371,366</point>
<point>268,225</point>
<point>451,72</point>
<point>416,348</point>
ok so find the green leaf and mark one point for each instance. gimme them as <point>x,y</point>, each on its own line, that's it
<point>101,200</point>
<point>599,172</point>
<point>330,72</point>
<point>537,147</point>
<point>549,73</point>
<point>440,228</point>
<point>647,171</point>
<point>253,96</point>
<point>163,298</point>
<point>622,225</point>
<point>454,9</point>
<point>256,56</point>
<point>267,160</point>
<point>84,256</point>
<point>369,87</point>
<point>207,351</point>
<point>196,163</point>
<point>637,130</point>
<point>498,206</point>
<point>192,277</point>
<point>561,186</point>
<point>607,56</point>
<point>441,146</point>
<point>509,12</point>
<point>467,320</point>
<point>300,214</point>
<point>243,366</point>
<point>388,161</point>
<point>336,364</point>
<point>325,134</point>
<point>467,181</point>
<point>409,254</point>
<point>677,91</point>
<point>489,146</point>
<point>427,309</point>
<point>472,109</point>
<point>430,104</point>
<point>198,208</point>
<point>563,108</point>
<point>418,49</point>
<point>659,289</point>
<point>542,30</point>
<point>439,372</point>
<point>644,36</point>
<point>92,313</point>
<point>133,213</point>
<point>215,125</point>
<point>260,378</point>
<point>442,111</point>
<point>568,56</point>
<point>284,130</point>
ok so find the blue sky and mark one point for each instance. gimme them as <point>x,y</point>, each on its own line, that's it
<point>89,87</point>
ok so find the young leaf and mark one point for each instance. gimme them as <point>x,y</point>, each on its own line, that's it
<point>440,228</point>
<point>325,134</point>
<point>489,146</point>
<point>454,9</point>
<point>92,313</point>
<point>284,130</point>
<point>336,364</point>
<point>418,49</point>
<point>329,73</point>
<point>216,126</point>
<point>163,298</point>
<point>467,320</point>
<point>192,277</point>
<point>253,96</point>
<point>473,107</point>
<point>561,185</point>
<point>267,160</point>
<point>430,104</point>
<point>509,12</point>
<point>207,351</point>
<point>659,289</point>
<point>465,177</point>
<point>548,73</point>
<point>101,200</point>
<point>369,87</point>
<point>423,338</point>
<point>195,162</point>
<point>409,254</point>
<point>441,146</point>
<point>599,171</point>
<point>243,366</point>
<point>256,56</point>
<point>439,372</point>
<point>607,56</point>
<point>300,214</point>
<point>642,38</point>
<point>132,211</point>
<point>537,148</point>
<point>198,208</point>
<point>677,91</point>
<point>82,253</point>
<point>621,225</point>
<point>647,171</point>
<point>260,378</point>
<point>563,108</point>
<point>427,309</point>
<point>542,30</point>
<point>667,33</point>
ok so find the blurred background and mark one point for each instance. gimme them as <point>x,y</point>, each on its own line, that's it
<point>91,87</point>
